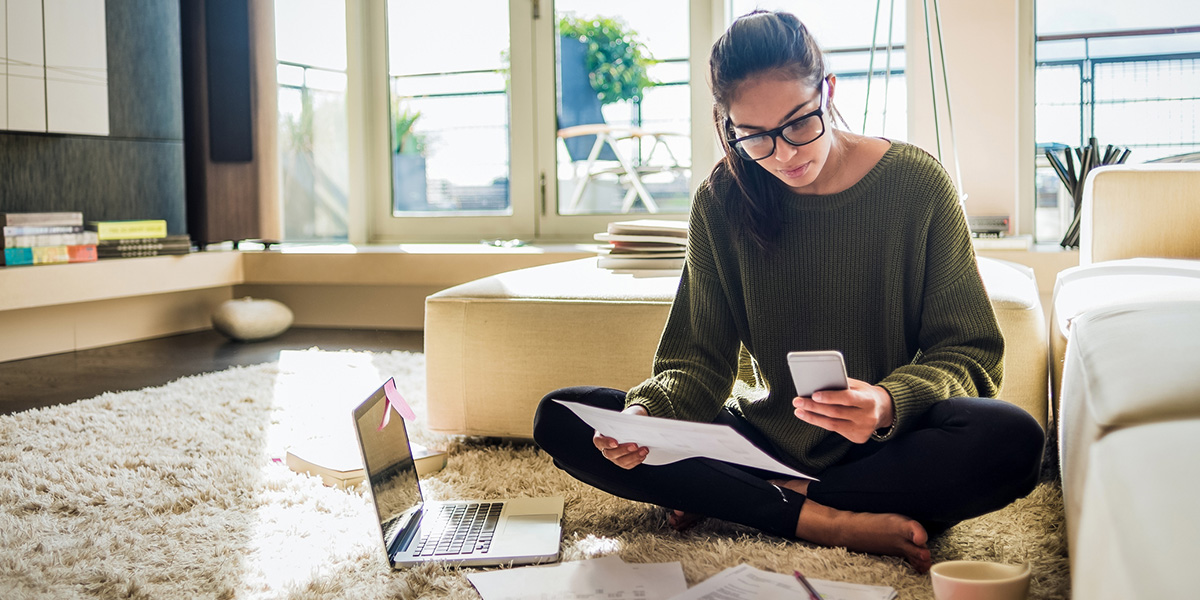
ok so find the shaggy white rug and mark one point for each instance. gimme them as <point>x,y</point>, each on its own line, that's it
<point>177,492</point>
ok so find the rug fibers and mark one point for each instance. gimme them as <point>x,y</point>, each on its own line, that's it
<point>179,491</point>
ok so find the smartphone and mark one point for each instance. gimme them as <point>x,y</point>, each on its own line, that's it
<point>817,370</point>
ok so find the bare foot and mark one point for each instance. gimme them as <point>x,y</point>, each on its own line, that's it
<point>890,534</point>
<point>683,521</point>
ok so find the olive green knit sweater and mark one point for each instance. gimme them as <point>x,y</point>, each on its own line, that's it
<point>883,272</point>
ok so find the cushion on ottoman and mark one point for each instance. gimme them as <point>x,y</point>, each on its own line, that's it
<point>1126,366</point>
<point>495,346</point>
<point>1139,526</point>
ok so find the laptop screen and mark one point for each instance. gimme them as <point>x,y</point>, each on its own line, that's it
<point>388,463</point>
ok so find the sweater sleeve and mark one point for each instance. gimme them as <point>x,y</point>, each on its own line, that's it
<point>960,346</point>
<point>696,361</point>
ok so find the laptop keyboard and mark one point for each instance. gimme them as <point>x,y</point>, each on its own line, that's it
<point>461,528</point>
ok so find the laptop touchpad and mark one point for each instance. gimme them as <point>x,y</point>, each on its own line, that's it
<point>532,527</point>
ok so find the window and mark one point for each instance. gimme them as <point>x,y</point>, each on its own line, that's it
<point>623,97</point>
<point>310,44</point>
<point>1127,75</point>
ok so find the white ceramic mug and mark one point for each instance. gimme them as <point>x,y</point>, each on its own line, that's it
<point>979,580</point>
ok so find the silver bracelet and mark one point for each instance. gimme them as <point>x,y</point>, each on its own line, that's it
<point>879,437</point>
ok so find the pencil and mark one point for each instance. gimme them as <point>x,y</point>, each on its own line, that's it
<point>812,592</point>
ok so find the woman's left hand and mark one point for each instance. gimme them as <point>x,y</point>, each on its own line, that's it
<point>854,413</point>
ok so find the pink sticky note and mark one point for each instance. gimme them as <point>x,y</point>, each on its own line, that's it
<point>393,400</point>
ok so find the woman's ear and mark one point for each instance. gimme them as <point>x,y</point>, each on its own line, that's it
<point>831,80</point>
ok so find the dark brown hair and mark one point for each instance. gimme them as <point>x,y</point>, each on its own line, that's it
<point>757,43</point>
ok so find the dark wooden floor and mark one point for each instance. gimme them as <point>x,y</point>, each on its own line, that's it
<point>64,378</point>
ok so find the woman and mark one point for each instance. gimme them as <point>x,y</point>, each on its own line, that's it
<point>807,237</point>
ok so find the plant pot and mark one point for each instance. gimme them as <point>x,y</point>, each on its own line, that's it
<point>408,183</point>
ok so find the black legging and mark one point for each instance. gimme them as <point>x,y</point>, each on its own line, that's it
<point>963,458</point>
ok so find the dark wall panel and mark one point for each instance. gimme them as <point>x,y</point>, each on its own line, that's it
<point>138,171</point>
<point>144,40</point>
<point>106,179</point>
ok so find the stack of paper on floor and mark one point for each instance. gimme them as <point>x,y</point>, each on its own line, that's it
<point>611,577</point>
<point>644,245</point>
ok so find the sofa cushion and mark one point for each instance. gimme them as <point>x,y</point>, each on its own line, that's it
<point>1138,529</point>
<point>1080,289</point>
<point>1125,366</point>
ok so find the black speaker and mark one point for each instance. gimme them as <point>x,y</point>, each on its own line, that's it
<point>227,53</point>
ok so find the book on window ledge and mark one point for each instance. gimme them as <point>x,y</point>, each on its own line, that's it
<point>644,232</point>
<point>33,240</point>
<point>40,219</point>
<point>127,248</point>
<point>124,230</point>
<point>340,465</point>
<point>48,255</point>
<point>643,246</point>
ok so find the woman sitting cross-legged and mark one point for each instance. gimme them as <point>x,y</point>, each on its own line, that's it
<point>808,237</point>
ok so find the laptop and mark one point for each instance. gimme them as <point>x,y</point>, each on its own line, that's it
<point>463,533</point>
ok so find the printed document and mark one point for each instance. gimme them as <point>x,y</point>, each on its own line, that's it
<point>745,582</point>
<point>605,578</point>
<point>670,440</point>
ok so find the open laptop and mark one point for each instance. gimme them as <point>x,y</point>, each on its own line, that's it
<point>464,533</point>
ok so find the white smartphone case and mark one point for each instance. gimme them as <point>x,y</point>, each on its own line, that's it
<point>817,370</point>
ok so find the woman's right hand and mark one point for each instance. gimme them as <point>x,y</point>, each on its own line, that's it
<point>626,456</point>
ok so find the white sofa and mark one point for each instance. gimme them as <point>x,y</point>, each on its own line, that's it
<point>495,346</point>
<point>1125,333</point>
<point>1139,237</point>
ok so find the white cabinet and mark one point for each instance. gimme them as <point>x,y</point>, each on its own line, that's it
<point>55,62</point>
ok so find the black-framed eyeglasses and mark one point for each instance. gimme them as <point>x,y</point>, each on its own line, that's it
<point>800,131</point>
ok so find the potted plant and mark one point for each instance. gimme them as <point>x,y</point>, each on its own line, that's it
<point>617,61</point>
<point>408,160</point>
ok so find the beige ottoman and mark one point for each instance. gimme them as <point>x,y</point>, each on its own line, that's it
<point>495,346</point>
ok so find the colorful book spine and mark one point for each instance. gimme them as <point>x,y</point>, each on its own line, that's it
<point>125,230</point>
<point>49,255</point>
<point>52,239</point>
<point>8,231</point>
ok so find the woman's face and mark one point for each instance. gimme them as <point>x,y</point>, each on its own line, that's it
<point>765,102</point>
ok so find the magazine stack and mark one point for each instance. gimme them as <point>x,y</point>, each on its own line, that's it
<point>646,246</point>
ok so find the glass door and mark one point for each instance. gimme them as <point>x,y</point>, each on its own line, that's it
<point>460,121</point>
<point>618,142</point>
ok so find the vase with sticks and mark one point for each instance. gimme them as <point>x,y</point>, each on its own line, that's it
<point>1089,157</point>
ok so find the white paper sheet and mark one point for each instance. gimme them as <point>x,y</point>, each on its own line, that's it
<point>670,440</point>
<point>746,582</point>
<point>604,578</point>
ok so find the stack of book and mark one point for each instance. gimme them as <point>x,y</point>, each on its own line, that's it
<point>127,239</point>
<point>643,245</point>
<point>340,465</point>
<point>45,238</point>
